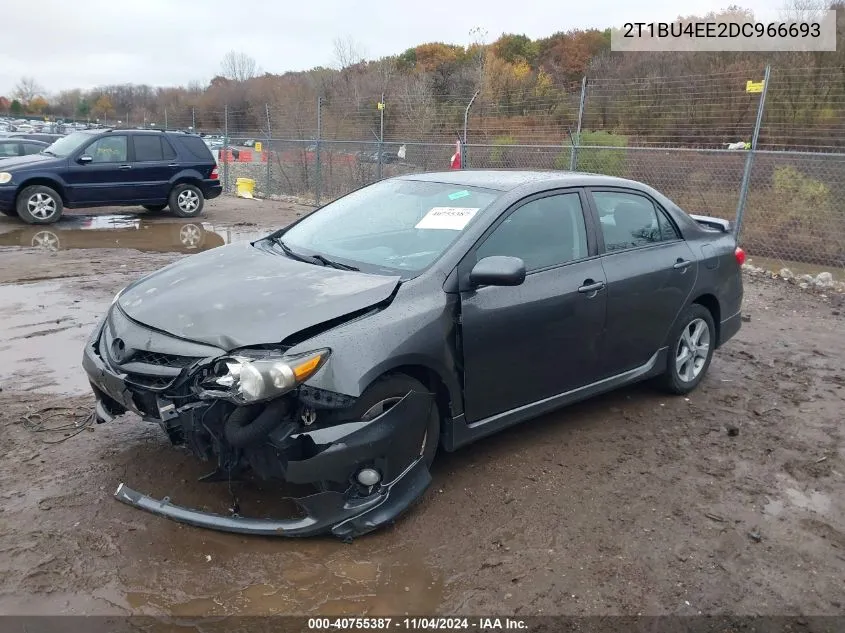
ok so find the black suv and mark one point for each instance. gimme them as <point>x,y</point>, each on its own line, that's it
<point>154,169</point>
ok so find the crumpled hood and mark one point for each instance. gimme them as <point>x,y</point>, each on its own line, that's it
<point>239,295</point>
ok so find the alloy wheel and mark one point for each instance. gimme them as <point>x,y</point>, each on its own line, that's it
<point>693,350</point>
<point>41,205</point>
<point>188,200</point>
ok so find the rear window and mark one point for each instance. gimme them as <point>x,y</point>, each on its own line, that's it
<point>147,148</point>
<point>196,147</point>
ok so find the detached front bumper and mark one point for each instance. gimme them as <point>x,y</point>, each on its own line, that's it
<point>390,444</point>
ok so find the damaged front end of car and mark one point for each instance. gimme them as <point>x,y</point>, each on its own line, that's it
<point>250,412</point>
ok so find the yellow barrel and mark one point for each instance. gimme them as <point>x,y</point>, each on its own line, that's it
<point>245,187</point>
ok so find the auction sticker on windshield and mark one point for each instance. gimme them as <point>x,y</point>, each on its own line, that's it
<point>448,218</point>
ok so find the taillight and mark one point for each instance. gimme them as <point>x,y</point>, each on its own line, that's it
<point>216,176</point>
<point>740,256</point>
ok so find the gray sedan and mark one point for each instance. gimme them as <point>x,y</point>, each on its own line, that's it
<point>419,313</point>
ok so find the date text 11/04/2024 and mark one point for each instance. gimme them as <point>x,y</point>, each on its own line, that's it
<point>417,624</point>
<point>722,29</point>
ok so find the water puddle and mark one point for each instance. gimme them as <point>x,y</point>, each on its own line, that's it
<point>45,325</point>
<point>44,331</point>
<point>340,585</point>
<point>814,501</point>
<point>125,231</point>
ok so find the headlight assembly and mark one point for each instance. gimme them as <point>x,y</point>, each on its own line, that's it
<point>5,177</point>
<point>245,379</point>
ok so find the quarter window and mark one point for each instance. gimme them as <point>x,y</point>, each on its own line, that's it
<point>544,232</point>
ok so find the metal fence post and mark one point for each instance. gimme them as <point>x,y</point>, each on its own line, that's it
<point>318,162</point>
<point>266,150</point>
<point>165,119</point>
<point>749,160</point>
<point>573,152</point>
<point>226,148</point>
<point>193,119</point>
<point>466,121</point>
<point>381,136</point>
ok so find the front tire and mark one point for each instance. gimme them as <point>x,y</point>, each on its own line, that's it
<point>39,204</point>
<point>690,350</point>
<point>386,392</point>
<point>186,201</point>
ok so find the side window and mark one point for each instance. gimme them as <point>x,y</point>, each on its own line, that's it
<point>544,232</point>
<point>32,148</point>
<point>8,149</point>
<point>147,148</point>
<point>627,220</point>
<point>109,149</point>
<point>167,151</point>
<point>668,232</point>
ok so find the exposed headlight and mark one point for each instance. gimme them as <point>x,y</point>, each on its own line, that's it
<point>246,379</point>
<point>5,177</point>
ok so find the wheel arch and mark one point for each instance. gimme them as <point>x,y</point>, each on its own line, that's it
<point>448,402</point>
<point>711,302</point>
<point>44,181</point>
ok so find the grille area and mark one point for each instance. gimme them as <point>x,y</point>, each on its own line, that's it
<point>153,382</point>
<point>162,360</point>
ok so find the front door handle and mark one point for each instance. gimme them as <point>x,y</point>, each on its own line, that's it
<point>125,167</point>
<point>591,286</point>
<point>173,165</point>
<point>682,263</point>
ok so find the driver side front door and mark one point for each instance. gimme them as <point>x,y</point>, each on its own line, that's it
<point>522,344</point>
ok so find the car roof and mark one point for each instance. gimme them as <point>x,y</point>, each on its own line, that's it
<point>507,180</point>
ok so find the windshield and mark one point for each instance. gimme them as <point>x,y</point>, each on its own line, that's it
<point>397,224</point>
<point>68,145</point>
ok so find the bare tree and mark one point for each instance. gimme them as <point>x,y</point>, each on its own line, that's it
<point>27,89</point>
<point>415,94</point>
<point>238,66</point>
<point>348,52</point>
<point>803,10</point>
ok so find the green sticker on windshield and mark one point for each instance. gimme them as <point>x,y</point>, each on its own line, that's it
<point>458,195</point>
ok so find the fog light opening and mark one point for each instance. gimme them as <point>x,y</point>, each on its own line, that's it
<point>368,477</point>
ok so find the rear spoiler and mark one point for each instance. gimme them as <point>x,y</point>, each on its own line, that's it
<point>717,224</point>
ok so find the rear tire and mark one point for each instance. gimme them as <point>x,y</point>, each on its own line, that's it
<point>39,204</point>
<point>691,348</point>
<point>186,201</point>
<point>155,208</point>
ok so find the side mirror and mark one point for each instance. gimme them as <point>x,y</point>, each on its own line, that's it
<point>84,159</point>
<point>498,271</point>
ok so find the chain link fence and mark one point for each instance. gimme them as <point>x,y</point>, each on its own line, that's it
<point>781,182</point>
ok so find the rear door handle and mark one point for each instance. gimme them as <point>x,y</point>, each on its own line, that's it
<point>125,167</point>
<point>173,165</point>
<point>682,263</point>
<point>591,286</point>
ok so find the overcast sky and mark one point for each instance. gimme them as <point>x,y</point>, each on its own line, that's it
<point>86,43</point>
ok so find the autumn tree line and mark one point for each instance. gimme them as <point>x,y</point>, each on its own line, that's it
<point>523,91</point>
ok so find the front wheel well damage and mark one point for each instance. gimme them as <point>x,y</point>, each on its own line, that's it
<point>433,382</point>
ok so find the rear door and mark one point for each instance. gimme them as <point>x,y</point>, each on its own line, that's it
<point>153,166</point>
<point>650,271</point>
<point>107,178</point>
<point>525,343</point>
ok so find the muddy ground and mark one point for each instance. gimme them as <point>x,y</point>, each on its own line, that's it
<point>731,500</point>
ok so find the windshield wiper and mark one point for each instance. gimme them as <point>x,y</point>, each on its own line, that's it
<point>328,262</point>
<point>290,253</point>
<point>311,259</point>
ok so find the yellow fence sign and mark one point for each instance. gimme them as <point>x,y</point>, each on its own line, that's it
<point>754,86</point>
<point>380,105</point>
<point>257,146</point>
